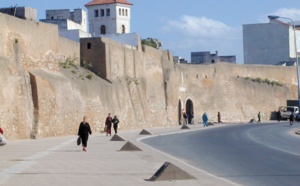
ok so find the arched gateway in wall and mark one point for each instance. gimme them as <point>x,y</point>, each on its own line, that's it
<point>188,109</point>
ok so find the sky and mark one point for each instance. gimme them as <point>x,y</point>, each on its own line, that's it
<point>185,26</point>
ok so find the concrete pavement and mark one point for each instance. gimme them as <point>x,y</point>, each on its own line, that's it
<point>59,161</point>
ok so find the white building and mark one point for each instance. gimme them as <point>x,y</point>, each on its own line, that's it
<point>205,57</point>
<point>71,25</point>
<point>108,17</point>
<point>270,43</point>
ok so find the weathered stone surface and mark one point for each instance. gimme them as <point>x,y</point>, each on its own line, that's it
<point>142,86</point>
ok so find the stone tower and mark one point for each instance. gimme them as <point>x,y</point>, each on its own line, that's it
<point>108,17</point>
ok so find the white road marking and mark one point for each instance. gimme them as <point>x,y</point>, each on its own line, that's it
<point>176,159</point>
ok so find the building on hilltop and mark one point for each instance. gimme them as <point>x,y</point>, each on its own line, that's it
<point>71,25</point>
<point>21,12</point>
<point>208,58</point>
<point>270,43</point>
<point>109,17</point>
<point>78,16</point>
<point>178,59</point>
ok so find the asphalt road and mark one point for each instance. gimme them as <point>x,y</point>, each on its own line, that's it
<point>247,154</point>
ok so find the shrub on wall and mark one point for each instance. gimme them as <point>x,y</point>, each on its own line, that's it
<point>267,81</point>
<point>68,63</point>
<point>155,43</point>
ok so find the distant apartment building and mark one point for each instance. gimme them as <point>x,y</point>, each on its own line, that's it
<point>178,59</point>
<point>21,12</point>
<point>270,43</point>
<point>206,57</point>
<point>71,25</point>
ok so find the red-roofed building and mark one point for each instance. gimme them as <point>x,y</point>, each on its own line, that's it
<point>102,2</point>
<point>109,17</point>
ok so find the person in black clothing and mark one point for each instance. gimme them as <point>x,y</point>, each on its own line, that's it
<point>108,124</point>
<point>185,116</point>
<point>219,117</point>
<point>292,118</point>
<point>258,116</point>
<point>84,131</point>
<point>115,121</point>
<point>191,118</point>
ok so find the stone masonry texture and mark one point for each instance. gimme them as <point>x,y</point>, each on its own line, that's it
<point>141,85</point>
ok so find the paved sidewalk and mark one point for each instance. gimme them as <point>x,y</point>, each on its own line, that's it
<point>59,161</point>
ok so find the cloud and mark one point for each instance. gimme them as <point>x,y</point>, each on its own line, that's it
<point>291,13</point>
<point>197,27</point>
<point>191,34</point>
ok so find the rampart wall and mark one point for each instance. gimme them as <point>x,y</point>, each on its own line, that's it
<point>223,87</point>
<point>141,85</point>
<point>27,45</point>
<point>37,43</point>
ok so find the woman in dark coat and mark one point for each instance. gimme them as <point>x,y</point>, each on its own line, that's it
<point>108,124</point>
<point>84,131</point>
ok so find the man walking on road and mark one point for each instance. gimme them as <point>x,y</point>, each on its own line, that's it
<point>258,116</point>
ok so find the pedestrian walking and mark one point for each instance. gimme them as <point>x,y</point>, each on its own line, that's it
<point>191,118</point>
<point>219,117</point>
<point>258,116</point>
<point>185,116</point>
<point>115,122</point>
<point>205,119</point>
<point>108,124</point>
<point>292,118</point>
<point>84,131</point>
<point>182,118</point>
<point>278,115</point>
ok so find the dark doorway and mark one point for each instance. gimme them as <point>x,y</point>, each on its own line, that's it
<point>103,30</point>
<point>189,108</point>
<point>179,112</point>
<point>123,29</point>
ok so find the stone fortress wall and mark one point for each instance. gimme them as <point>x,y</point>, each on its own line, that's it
<point>140,84</point>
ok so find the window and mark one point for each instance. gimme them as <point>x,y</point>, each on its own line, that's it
<point>96,13</point>
<point>119,11</point>
<point>102,12</point>
<point>126,12</point>
<point>89,45</point>
<point>107,12</point>
<point>122,12</point>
